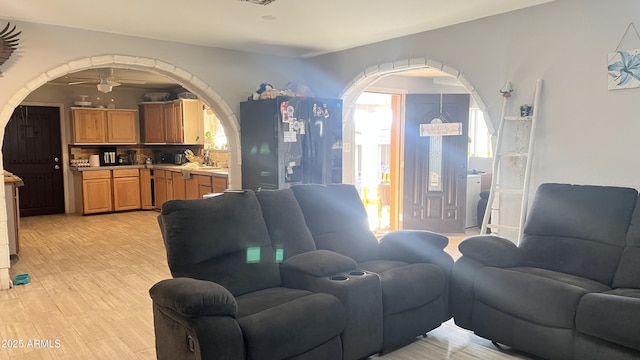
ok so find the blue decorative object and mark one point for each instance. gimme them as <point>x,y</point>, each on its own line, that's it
<point>22,279</point>
<point>624,69</point>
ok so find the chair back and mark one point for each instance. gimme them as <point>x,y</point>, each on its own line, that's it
<point>578,229</point>
<point>223,239</point>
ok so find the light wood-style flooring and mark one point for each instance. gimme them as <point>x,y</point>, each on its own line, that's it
<point>88,298</point>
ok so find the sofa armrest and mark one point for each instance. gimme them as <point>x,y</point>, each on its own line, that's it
<point>491,250</point>
<point>319,263</point>
<point>194,298</point>
<point>414,246</point>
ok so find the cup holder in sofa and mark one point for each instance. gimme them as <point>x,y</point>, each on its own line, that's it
<point>339,278</point>
<point>357,273</point>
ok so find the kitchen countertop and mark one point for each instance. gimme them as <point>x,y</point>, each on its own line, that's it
<point>205,170</point>
<point>10,178</point>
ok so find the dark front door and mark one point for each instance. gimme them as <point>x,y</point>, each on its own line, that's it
<point>32,151</point>
<point>435,167</point>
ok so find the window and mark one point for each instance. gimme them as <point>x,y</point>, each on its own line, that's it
<point>479,137</point>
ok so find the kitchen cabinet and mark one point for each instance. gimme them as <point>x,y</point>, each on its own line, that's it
<point>146,195</point>
<point>98,126</point>
<point>192,187</point>
<point>96,192</point>
<point>169,180</point>
<point>160,187</point>
<point>219,184</point>
<point>170,185</point>
<point>89,126</point>
<point>126,189</point>
<point>204,185</point>
<point>121,126</point>
<point>173,122</point>
<point>152,120</point>
<point>178,183</point>
<point>99,191</point>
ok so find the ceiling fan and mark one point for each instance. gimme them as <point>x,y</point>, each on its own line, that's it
<point>107,80</point>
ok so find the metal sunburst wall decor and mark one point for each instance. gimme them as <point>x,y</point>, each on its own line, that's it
<point>8,43</point>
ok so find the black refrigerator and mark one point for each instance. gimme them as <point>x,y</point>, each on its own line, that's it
<point>290,140</point>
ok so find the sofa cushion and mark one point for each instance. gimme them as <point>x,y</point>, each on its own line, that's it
<point>284,323</point>
<point>633,233</point>
<point>578,229</point>
<point>540,296</point>
<point>337,220</point>
<point>628,274</point>
<point>407,286</point>
<point>223,239</point>
<point>257,301</point>
<point>613,316</point>
<point>285,222</point>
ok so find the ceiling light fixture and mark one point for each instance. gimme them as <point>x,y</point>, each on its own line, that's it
<point>259,2</point>
<point>104,86</point>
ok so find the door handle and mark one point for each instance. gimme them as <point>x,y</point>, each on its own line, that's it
<point>56,159</point>
<point>57,167</point>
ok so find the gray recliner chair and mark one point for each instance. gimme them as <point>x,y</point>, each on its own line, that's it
<point>412,267</point>
<point>570,289</point>
<point>227,299</point>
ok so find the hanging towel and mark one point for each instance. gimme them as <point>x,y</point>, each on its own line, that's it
<point>186,174</point>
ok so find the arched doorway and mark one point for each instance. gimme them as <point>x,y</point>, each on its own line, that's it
<point>362,83</point>
<point>181,76</point>
<point>187,80</point>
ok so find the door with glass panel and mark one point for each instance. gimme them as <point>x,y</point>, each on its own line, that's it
<point>435,162</point>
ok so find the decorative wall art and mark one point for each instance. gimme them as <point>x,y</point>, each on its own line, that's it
<point>624,69</point>
<point>623,66</point>
<point>8,43</point>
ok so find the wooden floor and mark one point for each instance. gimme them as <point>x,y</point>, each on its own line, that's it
<point>88,298</point>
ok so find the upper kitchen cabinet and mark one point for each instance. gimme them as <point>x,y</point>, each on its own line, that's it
<point>152,122</point>
<point>174,122</point>
<point>100,126</point>
<point>121,126</point>
<point>89,126</point>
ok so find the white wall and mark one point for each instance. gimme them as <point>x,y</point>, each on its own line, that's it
<point>586,134</point>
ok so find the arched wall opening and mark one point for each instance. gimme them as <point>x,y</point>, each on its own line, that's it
<point>190,82</point>
<point>369,76</point>
<point>181,76</point>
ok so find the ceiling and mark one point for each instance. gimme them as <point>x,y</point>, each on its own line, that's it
<point>129,79</point>
<point>300,28</point>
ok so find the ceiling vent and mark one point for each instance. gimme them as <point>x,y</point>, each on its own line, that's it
<point>259,2</point>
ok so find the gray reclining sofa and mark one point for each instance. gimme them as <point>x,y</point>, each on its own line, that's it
<point>257,277</point>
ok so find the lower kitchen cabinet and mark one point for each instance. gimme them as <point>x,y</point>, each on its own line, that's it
<point>100,191</point>
<point>95,194</point>
<point>219,184</point>
<point>170,185</point>
<point>160,187</point>
<point>146,195</point>
<point>126,189</point>
<point>204,185</point>
<point>191,187</point>
<point>179,191</point>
